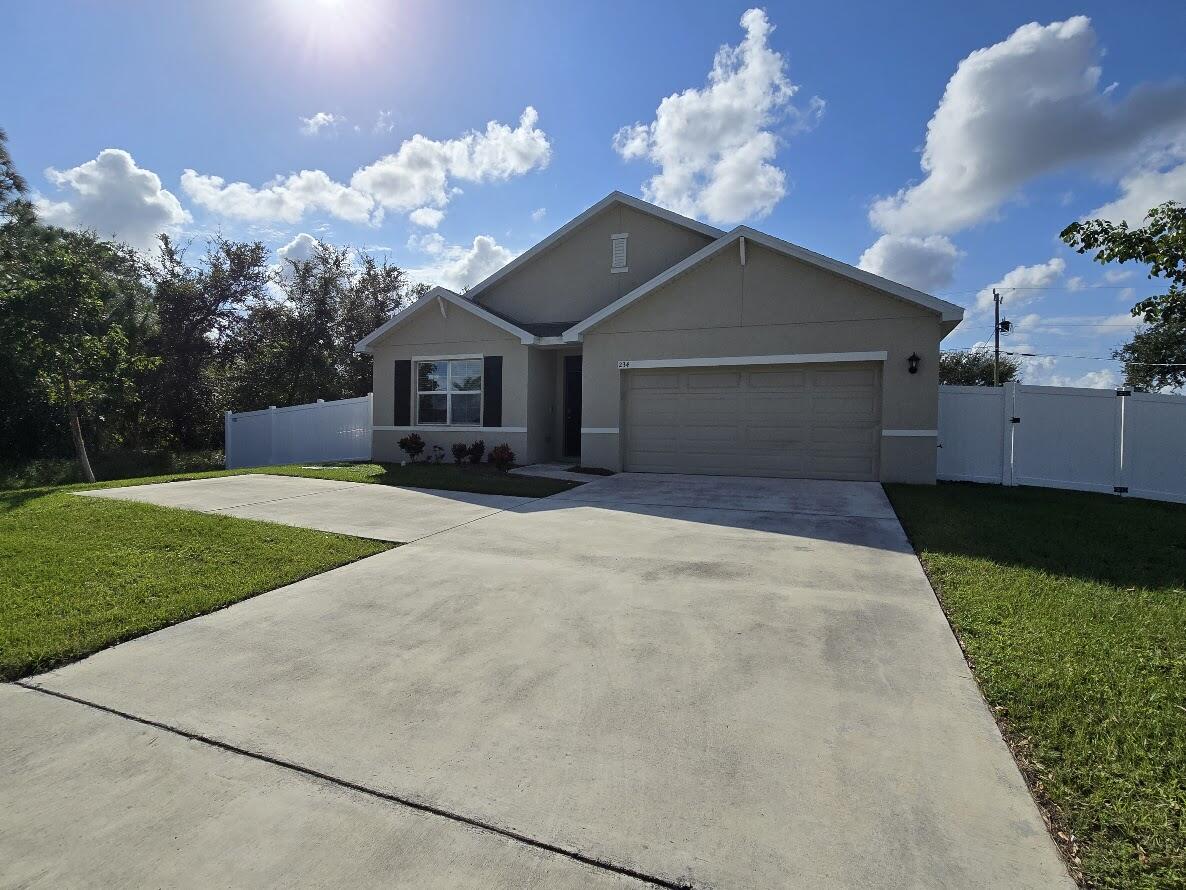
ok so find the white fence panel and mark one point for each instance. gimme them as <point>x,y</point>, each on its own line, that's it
<point>1067,438</point>
<point>971,424</point>
<point>1155,446</point>
<point>317,432</point>
<point>1064,437</point>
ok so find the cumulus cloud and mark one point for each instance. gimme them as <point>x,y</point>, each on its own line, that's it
<point>114,197</point>
<point>299,249</point>
<point>714,145</point>
<point>457,266</point>
<point>420,174</point>
<point>1161,179</point>
<point>927,264</point>
<point>1016,286</point>
<point>428,217</point>
<point>322,120</point>
<point>1022,107</point>
<point>284,199</point>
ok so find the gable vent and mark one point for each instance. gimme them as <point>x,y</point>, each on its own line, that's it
<point>618,253</point>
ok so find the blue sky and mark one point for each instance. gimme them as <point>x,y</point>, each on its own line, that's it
<point>811,124</point>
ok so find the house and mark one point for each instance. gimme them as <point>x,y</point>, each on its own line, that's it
<point>637,339</point>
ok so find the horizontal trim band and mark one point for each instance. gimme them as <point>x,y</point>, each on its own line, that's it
<point>802,358</point>
<point>443,428</point>
<point>910,433</point>
<point>598,429</point>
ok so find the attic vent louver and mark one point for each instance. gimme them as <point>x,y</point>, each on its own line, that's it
<point>618,253</point>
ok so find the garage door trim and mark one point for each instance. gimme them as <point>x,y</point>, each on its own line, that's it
<point>802,358</point>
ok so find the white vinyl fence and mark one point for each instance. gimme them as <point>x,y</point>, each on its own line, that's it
<point>321,431</point>
<point>1065,437</point>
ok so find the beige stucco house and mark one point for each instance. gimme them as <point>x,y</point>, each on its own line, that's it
<point>636,339</point>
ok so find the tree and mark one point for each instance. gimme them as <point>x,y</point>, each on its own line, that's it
<point>1155,356</point>
<point>975,368</point>
<point>55,313</point>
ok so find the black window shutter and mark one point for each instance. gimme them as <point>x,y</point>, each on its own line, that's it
<point>403,393</point>
<point>492,391</point>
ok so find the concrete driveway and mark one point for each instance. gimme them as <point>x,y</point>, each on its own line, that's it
<point>649,679</point>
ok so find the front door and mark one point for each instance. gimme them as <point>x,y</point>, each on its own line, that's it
<point>572,406</point>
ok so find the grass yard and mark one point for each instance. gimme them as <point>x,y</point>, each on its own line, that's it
<point>1072,610</point>
<point>478,478</point>
<point>80,574</point>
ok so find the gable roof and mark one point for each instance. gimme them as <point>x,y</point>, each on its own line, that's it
<point>572,225</point>
<point>949,313</point>
<point>430,298</point>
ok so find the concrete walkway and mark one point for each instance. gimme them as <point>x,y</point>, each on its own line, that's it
<point>381,512</point>
<point>710,682</point>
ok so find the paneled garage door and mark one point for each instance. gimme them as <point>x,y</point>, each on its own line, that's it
<point>809,421</point>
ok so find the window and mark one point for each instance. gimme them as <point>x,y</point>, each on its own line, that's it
<point>617,253</point>
<point>449,392</point>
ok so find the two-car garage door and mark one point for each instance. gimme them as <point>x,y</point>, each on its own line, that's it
<point>815,421</point>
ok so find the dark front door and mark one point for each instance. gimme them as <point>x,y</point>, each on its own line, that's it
<point>572,405</point>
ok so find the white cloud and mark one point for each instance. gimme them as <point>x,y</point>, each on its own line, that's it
<point>428,217</point>
<point>1022,107</point>
<point>421,173</point>
<point>1143,189</point>
<point>299,249</point>
<point>322,120</point>
<point>115,198</point>
<point>1048,375</point>
<point>924,263</point>
<point>539,213</point>
<point>1115,276</point>
<point>1016,285</point>
<point>456,266</point>
<point>385,122</point>
<point>1076,283</point>
<point>432,243</point>
<point>284,199</point>
<point>714,145</point>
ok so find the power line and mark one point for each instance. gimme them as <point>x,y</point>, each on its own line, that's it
<point>1086,358</point>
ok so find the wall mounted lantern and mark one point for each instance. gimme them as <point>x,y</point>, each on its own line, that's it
<point>912,362</point>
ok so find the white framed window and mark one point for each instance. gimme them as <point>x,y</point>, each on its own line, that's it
<point>617,253</point>
<point>449,391</point>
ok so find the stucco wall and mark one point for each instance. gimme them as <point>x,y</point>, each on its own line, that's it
<point>774,305</point>
<point>572,279</point>
<point>429,335</point>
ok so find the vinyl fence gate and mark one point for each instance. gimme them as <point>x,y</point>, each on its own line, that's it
<point>1114,441</point>
<point>314,433</point>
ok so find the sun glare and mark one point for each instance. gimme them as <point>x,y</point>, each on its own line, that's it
<point>336,29</point>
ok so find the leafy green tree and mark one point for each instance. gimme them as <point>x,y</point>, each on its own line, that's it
<point>1156,356</point>
<point>975,368</point>
<point>195,308</point>
<point>55,313</point>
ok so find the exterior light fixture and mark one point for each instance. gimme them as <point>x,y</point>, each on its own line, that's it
<point>912,362</point>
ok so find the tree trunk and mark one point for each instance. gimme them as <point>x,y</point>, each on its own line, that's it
<point>76,434</point>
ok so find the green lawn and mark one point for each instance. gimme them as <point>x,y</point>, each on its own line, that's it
<point>1072,610</point>
<point>479,478</point>
<point>80,574</point>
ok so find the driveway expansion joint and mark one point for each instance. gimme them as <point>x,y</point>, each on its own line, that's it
<point>410,803</point>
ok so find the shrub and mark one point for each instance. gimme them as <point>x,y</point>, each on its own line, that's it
<point>412,445</point>
<point>460,452</point>
<point>502,456</point>
<point>475,451</point>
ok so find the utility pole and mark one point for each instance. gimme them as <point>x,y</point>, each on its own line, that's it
<point>996,333</point>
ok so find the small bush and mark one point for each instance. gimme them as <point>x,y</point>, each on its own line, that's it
<point>412,445</point>
<point>460,452</point>
<point>502,456</point>
<point>475,451</point>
